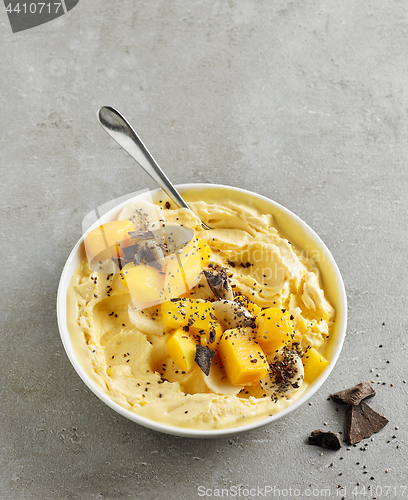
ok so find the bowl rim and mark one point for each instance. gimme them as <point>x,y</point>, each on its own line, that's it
<point>187,432</point>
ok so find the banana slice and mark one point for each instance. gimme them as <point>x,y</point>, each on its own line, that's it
<point>196,382</point>
<point>217,380</point>
<point>285,375</point>
<point>201,290</point>
<point>232,315</point>
<point>147,320</point>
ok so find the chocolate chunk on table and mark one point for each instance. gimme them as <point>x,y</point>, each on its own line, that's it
<point>362,422</point>
<point>354,395</point>
<point>325,439</point>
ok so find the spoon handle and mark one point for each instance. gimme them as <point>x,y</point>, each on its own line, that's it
<point>123,133</point>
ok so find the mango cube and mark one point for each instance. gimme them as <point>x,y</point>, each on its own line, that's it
<point>184,267</point>
<point>175,283</point>
<point>314,364</point>
<point>209,337</point>
<point>275,329</point>
<point>145,283</point>
<point>106,240</point>
<point>198,315</point>
<point>182,349</point>
<point>243,359</point>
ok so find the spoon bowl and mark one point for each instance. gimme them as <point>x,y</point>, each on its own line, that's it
<point>123,133</point>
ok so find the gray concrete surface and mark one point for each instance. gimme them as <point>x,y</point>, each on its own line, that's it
<point>304,102</point>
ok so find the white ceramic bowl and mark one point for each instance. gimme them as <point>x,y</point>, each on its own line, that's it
<point>291,226</point>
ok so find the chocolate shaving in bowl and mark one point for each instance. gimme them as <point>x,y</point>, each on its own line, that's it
<point>203,358</point>
<point>146,256</point>
<point>249,323</point>
<point>325,439</point>
<point>130,253</point>
<point>141,235</point>
<point>354,395</point>
<point>218,281</point>
<point>362,422</point>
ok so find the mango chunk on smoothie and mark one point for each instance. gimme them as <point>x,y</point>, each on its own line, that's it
<point>101,241</point>
<point>210,336</point>
<point>243,359</point>
<point>145,283</point>
<point>184,267</point>
<point>314,363</point>
<point>182,311</point>
<point>198,315</point>
<point>275,329</point>
<point>182,349</point>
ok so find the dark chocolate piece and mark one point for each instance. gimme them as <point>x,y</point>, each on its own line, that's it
<point>362,422</point>
<point>130,252</point>
<point>249,323</point>
<point>204,356</point>
<point>218,281</point>
<point>141,235</point>
<point>129,255</point>
<point>325,439</point>
<point>146,256</point>
<point>354,395</point>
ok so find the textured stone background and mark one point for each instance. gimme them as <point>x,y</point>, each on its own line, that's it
<point>305,102</point>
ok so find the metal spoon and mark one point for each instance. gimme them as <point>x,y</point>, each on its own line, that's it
<point>122,132</point>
